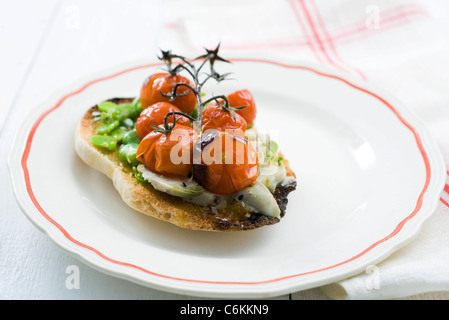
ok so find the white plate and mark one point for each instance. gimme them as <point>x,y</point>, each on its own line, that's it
<point>369,175</point>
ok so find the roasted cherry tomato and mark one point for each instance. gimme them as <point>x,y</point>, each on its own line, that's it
<point>217,118</point>
<point>244,98</point>
<point>155,115</point>
<point>228,163</point>
<point>152,87</point>
<point>170,153</point>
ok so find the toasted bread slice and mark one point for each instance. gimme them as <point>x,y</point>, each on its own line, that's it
<point>145,199</point>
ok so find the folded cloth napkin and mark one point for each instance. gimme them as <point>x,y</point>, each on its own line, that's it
<point>394,44</point>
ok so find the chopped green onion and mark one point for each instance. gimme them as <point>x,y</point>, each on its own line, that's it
<point>280,160</point>
<point>272,146</point>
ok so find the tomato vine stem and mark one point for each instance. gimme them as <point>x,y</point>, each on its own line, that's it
<point>183,64</point>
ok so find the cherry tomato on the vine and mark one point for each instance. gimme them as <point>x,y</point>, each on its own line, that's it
<point>155,115</point>
<point>217,118</point>
<point>170,153</point>
<point>152,87</point>
<point>244,98</point>
<point>228,163</point>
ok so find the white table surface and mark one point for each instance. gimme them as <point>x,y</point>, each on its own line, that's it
<point>47,45</point>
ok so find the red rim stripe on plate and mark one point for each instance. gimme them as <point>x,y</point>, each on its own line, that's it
<point>36,124</point>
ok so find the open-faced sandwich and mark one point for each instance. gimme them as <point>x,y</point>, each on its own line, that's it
<point>179,156</point>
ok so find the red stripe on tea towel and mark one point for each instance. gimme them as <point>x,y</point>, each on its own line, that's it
<point>316,35</point>
<point>444,202</point>
<point>358,29</point>
<point>446,189</point>
<point>330,42</point>
<point>310,43</point>
<point>392,18</point>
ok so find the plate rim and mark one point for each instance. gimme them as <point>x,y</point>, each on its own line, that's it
<point>261,289</point>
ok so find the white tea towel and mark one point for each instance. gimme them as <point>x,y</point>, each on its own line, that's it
<point>393,44</point>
